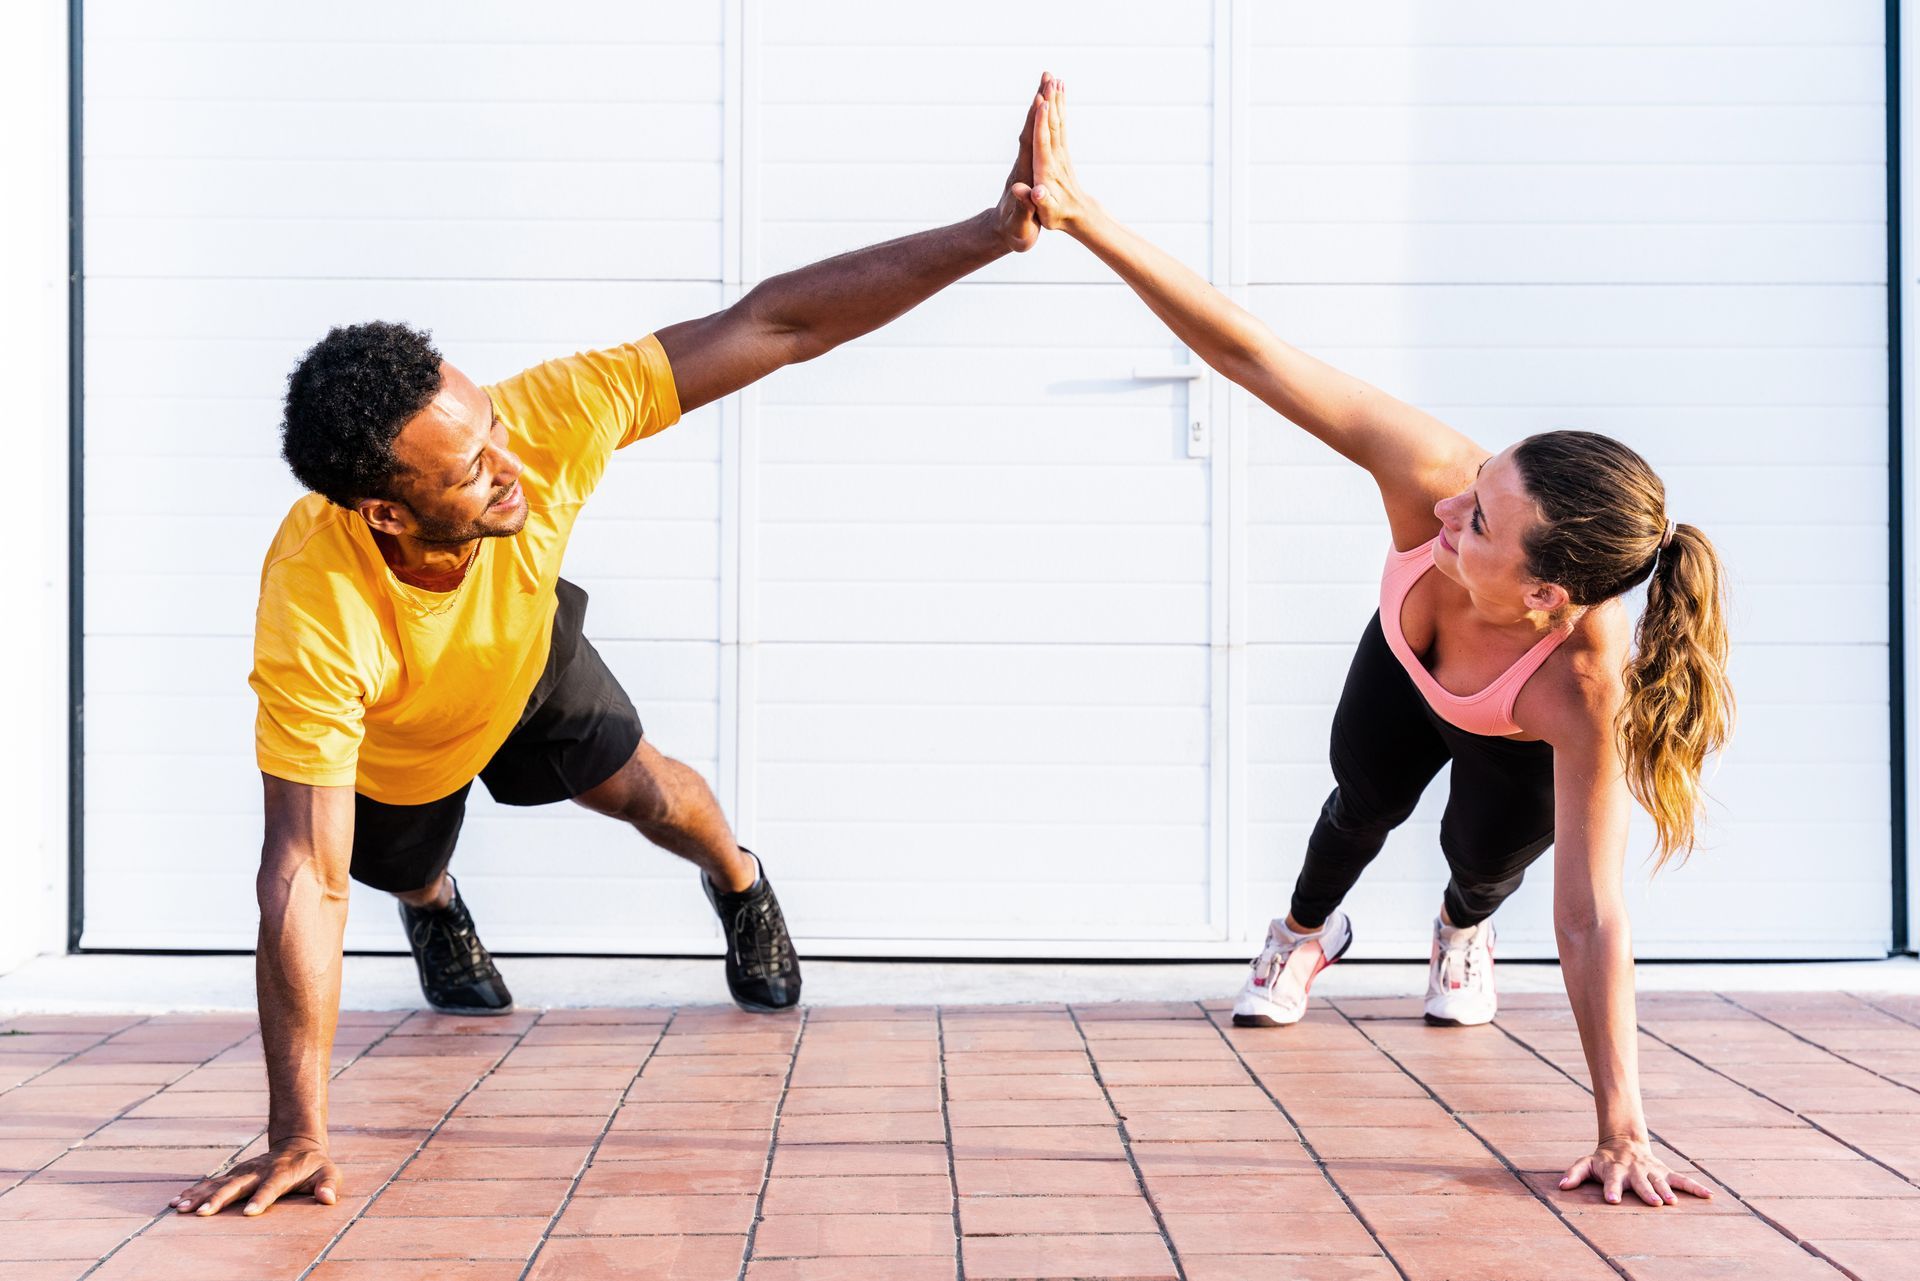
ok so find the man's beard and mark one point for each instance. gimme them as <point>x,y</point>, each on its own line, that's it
<point>440,533</point>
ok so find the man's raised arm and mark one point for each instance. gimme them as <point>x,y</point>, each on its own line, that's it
<point>809,311</point>
<point>302,888</point>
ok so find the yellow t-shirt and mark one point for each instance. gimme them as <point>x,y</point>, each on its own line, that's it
<point>407,693</point>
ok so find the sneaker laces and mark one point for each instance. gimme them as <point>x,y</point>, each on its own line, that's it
<point>1464,957</point>
<point>448,944</point>
<point>1273,958</point>
<point>760,940</point>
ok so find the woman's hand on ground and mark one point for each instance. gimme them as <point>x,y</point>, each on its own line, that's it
<point>1619,1164</point>
<point>292,1166</point>
<point>1057,198</point>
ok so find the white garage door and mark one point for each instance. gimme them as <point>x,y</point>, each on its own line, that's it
<point>981,679</point>
<point>256,174</point>
<point>976,641</point>
<point>1663,222</point>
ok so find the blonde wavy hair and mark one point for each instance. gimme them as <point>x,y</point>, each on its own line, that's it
<point>1604,532</point>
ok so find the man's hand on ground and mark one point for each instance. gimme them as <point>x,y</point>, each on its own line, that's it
<point>291,1166</point>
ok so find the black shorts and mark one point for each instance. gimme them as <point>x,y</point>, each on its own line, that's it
<point>578,729</point>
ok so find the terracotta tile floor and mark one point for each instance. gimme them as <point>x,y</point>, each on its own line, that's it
<point>1135,1141</point>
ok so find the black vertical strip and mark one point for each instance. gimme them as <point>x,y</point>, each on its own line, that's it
<point>76,489</point>
<point>1896,498</point>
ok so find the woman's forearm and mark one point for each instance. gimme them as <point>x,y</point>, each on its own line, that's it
<point>1389,438</point>
<point>1410,454</point>
<point>1597,964</point>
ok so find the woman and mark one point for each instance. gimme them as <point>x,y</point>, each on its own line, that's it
<point>1502,644</point>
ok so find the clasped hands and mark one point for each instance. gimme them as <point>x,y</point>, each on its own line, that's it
<point>1041,191</point>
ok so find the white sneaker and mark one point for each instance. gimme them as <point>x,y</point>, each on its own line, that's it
<point>1460,990</point>
<point>1275,993</point>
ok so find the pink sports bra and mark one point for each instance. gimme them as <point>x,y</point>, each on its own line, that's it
<point>1489,712</point>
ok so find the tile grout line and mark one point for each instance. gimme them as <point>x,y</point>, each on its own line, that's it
<point>1313,1154</point>
<point>1825,1049</point>
<point>946,1123</point>
<point>1867,1000</point>
<point>321,1256</point>
<point>773,1145</point>
<point>1763,1095</point>
<point>140,1021</point>
<point>1657,1137</point>
<point>1765,1218</point>
<point>1126,1145</point>
<point>157,1092</point>
<point>1497,1154</point>
<point>606,1128</point>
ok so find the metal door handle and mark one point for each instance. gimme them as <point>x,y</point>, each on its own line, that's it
<point>1199,429</point>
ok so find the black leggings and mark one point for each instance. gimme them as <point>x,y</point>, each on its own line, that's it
<point>1387,746</point>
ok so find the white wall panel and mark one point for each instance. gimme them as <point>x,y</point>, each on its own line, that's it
<point>982,558</point>
<point>256,176</point>
<point>35,354</point>
<point>1579,72</point>
<point>174,812</point>
<point>879,120</point>
<point>1477,144</point>
<point>1637,24</point>
<point>647,25</point>
<point>997,796</point>
<point>1666,224</point>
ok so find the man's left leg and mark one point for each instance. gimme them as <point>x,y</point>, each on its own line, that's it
<point>404,850</point>
<point>580,739</point>
<point>673,807</point>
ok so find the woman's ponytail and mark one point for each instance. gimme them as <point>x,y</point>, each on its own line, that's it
<point>1604,531</point>
<point>1679,705</point>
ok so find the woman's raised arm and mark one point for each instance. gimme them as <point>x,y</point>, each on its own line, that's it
<point>1414,457</point>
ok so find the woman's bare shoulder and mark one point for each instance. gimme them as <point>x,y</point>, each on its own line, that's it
<point>1579,690</point>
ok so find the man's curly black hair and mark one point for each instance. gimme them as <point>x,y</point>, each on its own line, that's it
<point>346,402</point>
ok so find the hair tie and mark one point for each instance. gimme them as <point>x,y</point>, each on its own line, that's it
<point>1666,537</point>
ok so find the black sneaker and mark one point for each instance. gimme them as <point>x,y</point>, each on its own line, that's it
<point>456,974</point>
<point>762,972</point>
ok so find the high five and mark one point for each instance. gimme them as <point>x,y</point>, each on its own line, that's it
<point>1502,645</point>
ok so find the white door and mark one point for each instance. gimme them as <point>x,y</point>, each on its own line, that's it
<point>977,653</point>
<point>258,173</point>
<point>1662,222</point>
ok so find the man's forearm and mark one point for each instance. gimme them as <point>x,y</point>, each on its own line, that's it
<point>297,970</point>
<point>834,301</point>
<point>809,311</point>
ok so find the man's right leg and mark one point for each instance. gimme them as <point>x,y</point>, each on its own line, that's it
<point>436,896</point>
<point>405,849</point>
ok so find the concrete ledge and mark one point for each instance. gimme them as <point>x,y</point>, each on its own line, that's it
<point>150,984</point>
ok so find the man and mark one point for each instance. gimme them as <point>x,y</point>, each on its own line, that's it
<point>414,633</point>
